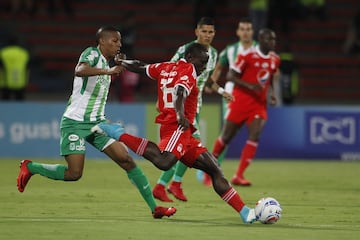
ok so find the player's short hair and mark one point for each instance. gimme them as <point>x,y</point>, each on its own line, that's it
<point>245,20</point>
<point>103,30</point>
<point>195,49</point>
<point>205,21</point>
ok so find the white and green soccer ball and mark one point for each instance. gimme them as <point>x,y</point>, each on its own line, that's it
<point>268,210</point>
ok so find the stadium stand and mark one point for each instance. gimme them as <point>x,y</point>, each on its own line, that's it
<point>326,74</point>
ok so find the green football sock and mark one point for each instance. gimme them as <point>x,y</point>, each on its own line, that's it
<point>52,171</point>
<point>179,171</point>
<point>138,178</point>
<point>166,176</point>
<point>221,157</point>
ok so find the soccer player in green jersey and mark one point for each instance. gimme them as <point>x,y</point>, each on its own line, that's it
<point>85,109</point>
<point>227,58</point>
<point>205,32</point>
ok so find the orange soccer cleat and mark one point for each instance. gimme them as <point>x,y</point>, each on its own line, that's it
<point>24,175</point>
<point>160,193</point>
<point>176,190</point>
<point>160,212</point>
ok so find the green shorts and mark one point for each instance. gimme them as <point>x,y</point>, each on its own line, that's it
<point>75,133</point>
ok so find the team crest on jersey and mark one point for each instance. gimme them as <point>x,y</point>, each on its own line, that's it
<point>262,76</point>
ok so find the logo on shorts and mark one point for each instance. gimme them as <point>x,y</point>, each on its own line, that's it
<point>73,137</point>
<point>179,148</point>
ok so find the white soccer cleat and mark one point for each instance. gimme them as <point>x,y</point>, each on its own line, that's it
<point>248,214</point>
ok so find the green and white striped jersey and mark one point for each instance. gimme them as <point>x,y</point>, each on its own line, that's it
<point>228,56</point>
<point>204,75</point>
<point>89,95</point>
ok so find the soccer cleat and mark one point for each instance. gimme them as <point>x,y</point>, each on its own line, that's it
<point>176,190</point>
<point>207,180</point>
<point>24,175</point>
<point>240,181</point>
<point>160,212</point>
<point>113,130</point>
<point>160,193</point>
<point>247,215</point>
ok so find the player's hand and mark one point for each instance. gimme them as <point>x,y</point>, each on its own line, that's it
<point>119,57</point>
<point>116,70</point>
<point>228,97</point>
<point>273,100</point>
<point>182,121</point>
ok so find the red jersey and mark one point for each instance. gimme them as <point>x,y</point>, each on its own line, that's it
<point>254,67</point>
<point>168,76</point>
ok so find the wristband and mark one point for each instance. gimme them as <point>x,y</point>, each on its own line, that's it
<point>220,90</point>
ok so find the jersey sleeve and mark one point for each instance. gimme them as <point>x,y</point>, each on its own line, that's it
<point>90,56</point>
<point>223,59</point>
<point>153,70</point>
<point>239,63</point>
<point>186,78</point>
<point>179,54</point>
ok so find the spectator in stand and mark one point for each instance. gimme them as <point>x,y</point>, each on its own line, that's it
<point>258,12</point>
<point>352,41</point>
<point>14,60</point>
<point>309,8</point>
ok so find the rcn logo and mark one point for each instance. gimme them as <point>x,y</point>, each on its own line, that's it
<point>331,130</point>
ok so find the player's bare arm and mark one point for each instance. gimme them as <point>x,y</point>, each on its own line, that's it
<point>83,69</point>
<point>211,83</point>
<point>180,96</point>
<point>135,66</point>
<point>235,77</point>
<point>276,77</point>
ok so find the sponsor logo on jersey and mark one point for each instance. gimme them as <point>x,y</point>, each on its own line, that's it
<point>73,137</point>
<point>262,76</point>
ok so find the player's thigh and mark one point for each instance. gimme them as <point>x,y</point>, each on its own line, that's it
<point>118,152</point>
<point>229,131</point>
<point>75,163</point>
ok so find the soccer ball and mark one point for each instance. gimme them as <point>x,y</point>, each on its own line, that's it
<point>268,210</point>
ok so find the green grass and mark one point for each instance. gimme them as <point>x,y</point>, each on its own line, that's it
<point>320,200</point>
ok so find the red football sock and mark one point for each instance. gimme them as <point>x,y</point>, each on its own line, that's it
<point>219,147</point>
<point>247,156</point>
<point>136,144</point>
<point>233,199</point>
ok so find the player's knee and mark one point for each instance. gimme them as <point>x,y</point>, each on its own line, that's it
<point>74,175</point>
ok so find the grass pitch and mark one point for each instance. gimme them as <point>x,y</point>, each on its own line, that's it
<point>320,200</point>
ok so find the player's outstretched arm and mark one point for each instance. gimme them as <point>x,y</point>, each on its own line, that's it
<point>211,83</point>
<point>135,66</point>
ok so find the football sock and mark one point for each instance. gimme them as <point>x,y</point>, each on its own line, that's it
<point>233,199</point>
<point>221,157</point>
<point>179,171</point>
<point>52,171</point>
<point>166,176</point>
<point>247,155</point>
<point>136,144</point>
<point>138,178</point>
<point>219,147</point>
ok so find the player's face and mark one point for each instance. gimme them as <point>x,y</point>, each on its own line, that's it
<point>111,43</point>
<point>245,32</point>
<point>200,62</point>
<point>205,34</point>
<point>268,41</point>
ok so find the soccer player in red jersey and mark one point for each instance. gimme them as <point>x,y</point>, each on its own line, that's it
<point>177,101</point>
<point>252,74</point>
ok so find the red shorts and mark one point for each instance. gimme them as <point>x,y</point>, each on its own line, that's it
<point>182,144</point>
<point>239,114</point>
